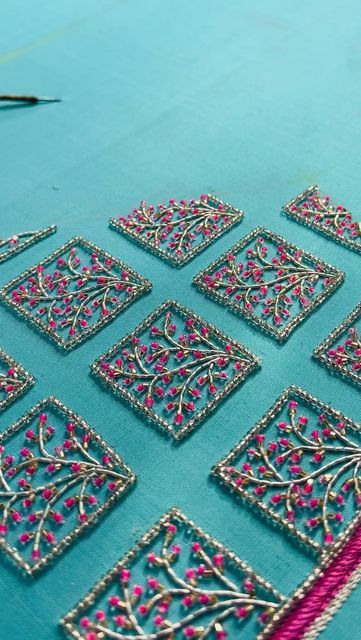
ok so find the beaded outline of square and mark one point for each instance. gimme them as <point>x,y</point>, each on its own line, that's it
<point>287,210</point>
<point>284,333</point>
<point>260,506</point>
<point>67,621</point>
<point>35,237</point>
<point>211,404</point>
<point>146,285</point>
<point>28,379</point>
<point>177,261</point>
<point>319,352</point>
<point>97,514</point>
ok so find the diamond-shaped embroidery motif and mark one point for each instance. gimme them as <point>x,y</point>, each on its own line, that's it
<point>177,582</point>
<point>175,367</point>
<point>18,242</point>
<point>269,281</point>
<point>179,230</point>
<point>320,213</point>
<point>75,291</point>
<point>57,476</point>
<point>300,465</point>
<point>14,379</point>
<point>341,350</point>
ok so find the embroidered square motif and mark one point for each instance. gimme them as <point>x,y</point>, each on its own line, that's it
<point>175,367</point>
<point>14,379</point>
<point>301,466</point>
<point>177,582</point>
<point>57,477</point>
<point>179,230</point>
<point>323,215</point>
<point>18,242</point>
<point>74,292</point>
<point>269,281</point>
<point>341,350</point>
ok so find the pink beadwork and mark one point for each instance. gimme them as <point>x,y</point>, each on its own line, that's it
<point>74,291</point>
<point>179,230</point>
<point>320,213</point>
<point>178,600</point>
<point>14,379</point>
<point>305,471</point>
<point>53,483</point>
<point>176,368</point>
<point>269,281</point>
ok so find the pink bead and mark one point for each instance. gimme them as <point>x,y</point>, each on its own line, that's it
<point>218,560</point>
<point>125,575</point>
<point>152,583</point>
<point>142,610</point>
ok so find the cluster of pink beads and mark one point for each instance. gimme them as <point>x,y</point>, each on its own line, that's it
<point>166,215</point>
<point>59,283</point>
<point>8,386</point>
<point>348,353</point>
<point>320,209</point>
<point>281,451</point>
<point>253,269</point>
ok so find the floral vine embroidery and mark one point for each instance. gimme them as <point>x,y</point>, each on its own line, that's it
<point>268,280</point>
<point>52,479</point>
<point>306,471</point>
<point>320,213</point>
<point>347,353</point>
<point>16,243</point>
<point>178,230</point>
<point>13,379</point>
<point>74,291</point>
<point>187,592</point>
<point>174,366</point>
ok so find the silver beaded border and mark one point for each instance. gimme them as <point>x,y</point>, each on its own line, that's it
<point>28,379</point>
<point>178,261</point>
<point>210,405</point>
<point>287,209</point>
<point>173,514</point>
<point>262,424</point>
<point>98,513</point>
<point>304,588</point>
<point>319,352</point>
<point>282,334</point>
<point>74,341</point>
<point>38,235</point>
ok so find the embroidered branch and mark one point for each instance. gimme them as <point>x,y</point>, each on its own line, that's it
<point>326,214</point>
<point>271,288</point>
<point>178,365</point>
<point>74,296</point>
<point>42,491</point>
<point>198,603</point>
<point>307,473</point>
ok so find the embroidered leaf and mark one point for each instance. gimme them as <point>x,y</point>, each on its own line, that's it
<point>56,477</point>
<point>321,214</point>
<point>175,367</point>
<point>176,583</point>
<point>14,379</point>
<point>301,464</point>
<point>341,350</point>
<point>18,242</point>
<point>74,291</point>
<point>269,281</point>
<point>179,230</point>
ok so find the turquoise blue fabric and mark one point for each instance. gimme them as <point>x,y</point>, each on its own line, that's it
<point>250,100</point>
